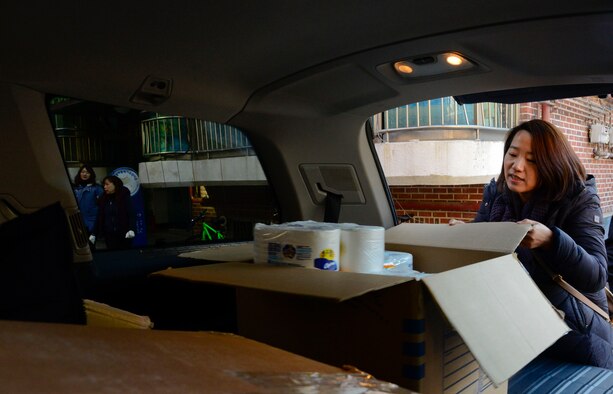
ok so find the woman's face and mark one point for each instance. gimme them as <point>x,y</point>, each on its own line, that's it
<point>84,174</point>
<point>109,187</point>
<point>520,171</point>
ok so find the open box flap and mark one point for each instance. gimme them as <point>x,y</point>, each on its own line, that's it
<point>336,286</point>
<point>499,312</point>
<point>500,237</point>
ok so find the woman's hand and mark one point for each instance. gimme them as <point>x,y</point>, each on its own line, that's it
<point>453,222</point>
<point>539,235</point>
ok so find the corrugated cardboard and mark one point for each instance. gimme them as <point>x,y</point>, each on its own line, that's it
<point>236,251</point>
<point>516,309</point>
<point>103,315</point>
<point>62,358</point>
<point>389,325</point>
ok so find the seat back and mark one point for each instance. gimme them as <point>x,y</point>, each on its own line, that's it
<point>37,280</point>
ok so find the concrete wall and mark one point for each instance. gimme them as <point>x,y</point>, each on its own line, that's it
<point>440,162</point>
<point>177,173</point>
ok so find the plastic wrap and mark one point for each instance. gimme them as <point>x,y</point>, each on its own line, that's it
<point>320,383</point>
<point>306,244</point>
<point>362,248</point>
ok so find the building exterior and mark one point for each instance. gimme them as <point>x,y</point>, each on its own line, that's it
<point>436,194</point>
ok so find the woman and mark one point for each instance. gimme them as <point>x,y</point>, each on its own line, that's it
<point>87,192</point>
<point>544,184</point>
<point>115,218</point>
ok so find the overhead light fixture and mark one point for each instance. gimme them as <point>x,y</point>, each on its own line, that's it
<point>403,67</point>
<point>454,59</point>
<point>432,65</point>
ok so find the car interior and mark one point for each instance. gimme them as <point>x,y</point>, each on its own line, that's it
<point>301,80</point>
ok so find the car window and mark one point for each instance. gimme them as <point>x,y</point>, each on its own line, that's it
<point>437,155</point>
<point>192,181</point>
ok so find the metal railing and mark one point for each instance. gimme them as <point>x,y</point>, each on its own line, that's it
<point>442,133</point>
<point>176,134</point>
<point>212,136</point>
<point>79,147</point>
<point>164,134</point>
<point>446,112</point>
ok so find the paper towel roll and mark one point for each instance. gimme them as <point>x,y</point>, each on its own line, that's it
<point>362,248</point>
<point>306,244</point>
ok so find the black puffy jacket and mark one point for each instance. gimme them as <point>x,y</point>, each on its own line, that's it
<point>577,253</point>
<point>609,245</point>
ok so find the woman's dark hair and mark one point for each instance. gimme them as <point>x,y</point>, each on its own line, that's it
<point>120,194</point>
<point>115,181</point>
<point>92,178</point>
<point>559,167</point>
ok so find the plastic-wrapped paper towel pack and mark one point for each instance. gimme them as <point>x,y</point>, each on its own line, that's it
<point>343,246</point>
<point>307,244</point>
<point>362,248</point>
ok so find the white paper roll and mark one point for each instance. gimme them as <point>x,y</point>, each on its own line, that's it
<point>306,244</point>
<point>362,248</point>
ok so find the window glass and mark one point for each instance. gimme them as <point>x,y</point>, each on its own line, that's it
<point>391,118</point>
<point>488,113</point>
<point>436,112</point>
<point>412,115</point>
<point>171,165</point>
<point>164,134</point>
<point>423,109</point>
<point>437,173</point>
<point>446,112</point>
<point>402,117</point>
<point>449,111</point>
<point>467,114</point>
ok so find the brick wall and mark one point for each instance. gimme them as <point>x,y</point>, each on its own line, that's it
<point>438,204</point>
<point>573,117</point>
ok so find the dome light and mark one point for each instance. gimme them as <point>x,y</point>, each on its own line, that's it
<point>454,60</point>
<point>427,65</point>
<point>403,67</point>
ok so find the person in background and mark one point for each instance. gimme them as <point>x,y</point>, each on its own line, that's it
<point>87,193</point>
<point>543,183</point>
<point>115,217</point>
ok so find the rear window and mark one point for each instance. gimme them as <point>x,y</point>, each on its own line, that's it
<point>192,181</point>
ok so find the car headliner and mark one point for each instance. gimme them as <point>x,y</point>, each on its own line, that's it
<point>299,78</point>
<point>317,57</point>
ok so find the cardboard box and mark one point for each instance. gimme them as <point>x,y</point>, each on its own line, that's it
<point>62,358</point>
<point>103,315</point>
<point>400,329</point>
<point>236,251</point>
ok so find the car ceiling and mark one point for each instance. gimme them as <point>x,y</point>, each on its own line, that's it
<point>312,57</point>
